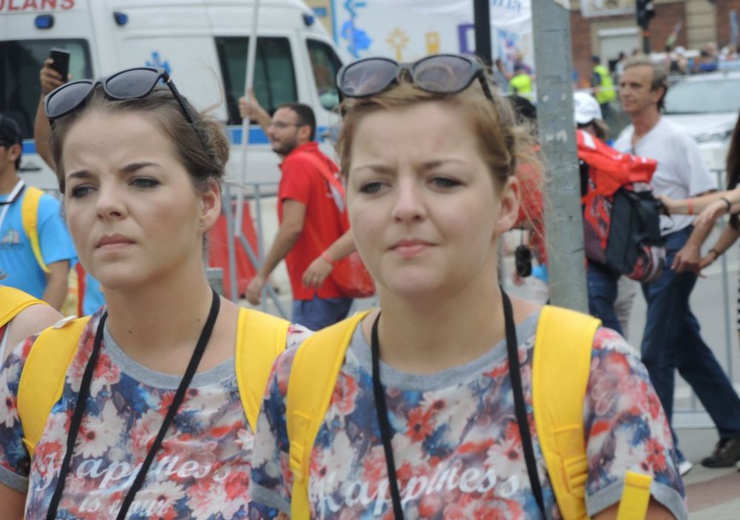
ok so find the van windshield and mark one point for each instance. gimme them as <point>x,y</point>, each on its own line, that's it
<point>274,77</point>
<point>325,64</point>
<point>20,62</point>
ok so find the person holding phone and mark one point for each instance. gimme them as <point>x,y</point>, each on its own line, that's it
<point>52,76</point>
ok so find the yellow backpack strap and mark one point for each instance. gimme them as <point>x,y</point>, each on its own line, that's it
<point>560,371</point>
<point>30,217</point>
<point>260,338</point>
<point>12,302</point>
<point>635,497</point>
<point>310,387</point>
<point>43,376</point>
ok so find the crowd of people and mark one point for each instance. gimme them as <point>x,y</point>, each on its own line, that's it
<point>173,402</point>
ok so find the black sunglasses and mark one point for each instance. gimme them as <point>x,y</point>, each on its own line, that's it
<point>135,83</point>
<point>438,74</point>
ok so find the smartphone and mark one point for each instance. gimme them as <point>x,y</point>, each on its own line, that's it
<point>61,62</point>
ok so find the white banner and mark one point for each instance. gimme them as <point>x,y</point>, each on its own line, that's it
<point>382,28</point>
<point>504,13</point>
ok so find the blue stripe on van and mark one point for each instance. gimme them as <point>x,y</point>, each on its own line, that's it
<point>256,136</point>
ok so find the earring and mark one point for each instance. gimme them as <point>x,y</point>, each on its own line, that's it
<point>202,223</point>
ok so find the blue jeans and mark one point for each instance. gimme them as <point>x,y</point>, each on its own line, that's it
<point>672,341</point>
<point>320,312</point>
<point>602,293</point>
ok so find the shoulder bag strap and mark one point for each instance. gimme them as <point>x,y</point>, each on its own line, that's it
<point>43,376</point>
<point>327,170</point>
<point>561,367</point>
<point>260,338</point>
<point>13,302</point>
<point>29,217</point>
<point>312,380</point>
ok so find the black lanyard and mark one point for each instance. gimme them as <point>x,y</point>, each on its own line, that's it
<point>521,414</point>
<point>84,394</point>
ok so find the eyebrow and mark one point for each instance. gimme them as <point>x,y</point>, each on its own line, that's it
<point>132,167</point>
<point>428,165</point>
<point>129,168</point>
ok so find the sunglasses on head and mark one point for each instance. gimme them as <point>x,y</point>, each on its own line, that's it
<point>135,83</point>
<point>438,74</point>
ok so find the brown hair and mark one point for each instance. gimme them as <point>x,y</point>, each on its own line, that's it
<point>204,161</point>
<point>501,141</point>
<point>660,75</point>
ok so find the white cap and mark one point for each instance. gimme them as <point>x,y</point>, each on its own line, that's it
<point>585,108</point>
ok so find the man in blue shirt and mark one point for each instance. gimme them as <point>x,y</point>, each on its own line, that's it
<point>17,258</point>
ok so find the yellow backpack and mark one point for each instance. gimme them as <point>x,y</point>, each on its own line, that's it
<point>561,367</point>
<point>29,218</point>
<point>12,302</point>
<point>260,338</point>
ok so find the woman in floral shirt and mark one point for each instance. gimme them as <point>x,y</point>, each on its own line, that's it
<point>140,171</point>
<point>428,153</point>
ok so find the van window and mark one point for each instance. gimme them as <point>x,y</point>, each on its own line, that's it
<point>20,63</point>
<point>274,74</point>
<point>325,64</point>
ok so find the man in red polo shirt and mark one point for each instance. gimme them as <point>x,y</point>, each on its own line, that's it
<point>310,215</point>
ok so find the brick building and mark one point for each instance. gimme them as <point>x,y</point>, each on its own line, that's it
<point>606,27</point>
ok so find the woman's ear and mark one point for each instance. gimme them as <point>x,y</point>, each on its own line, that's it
<point>509,205</point>
<point>210,205</point>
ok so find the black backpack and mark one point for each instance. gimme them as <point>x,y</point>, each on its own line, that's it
<point>635,247</point>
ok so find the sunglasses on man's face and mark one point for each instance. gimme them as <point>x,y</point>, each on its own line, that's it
<point>135,83</point>
<point>438,74</point>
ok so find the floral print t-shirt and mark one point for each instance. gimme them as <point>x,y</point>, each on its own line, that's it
<point>201,471</point>
<point>456,444</point>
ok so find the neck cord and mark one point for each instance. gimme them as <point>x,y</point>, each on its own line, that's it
<point>519,406</point>
<point>12,197</point>
<point>385,428</point>
<point>14,193</point>
<point>84,394</point>
<point>520,411</point>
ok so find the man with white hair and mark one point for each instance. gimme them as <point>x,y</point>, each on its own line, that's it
<point>672,339</point>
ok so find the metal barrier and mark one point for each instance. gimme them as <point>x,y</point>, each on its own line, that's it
<point>255,192</point>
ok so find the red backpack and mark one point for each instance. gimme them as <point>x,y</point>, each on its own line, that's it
<point>621,216</point>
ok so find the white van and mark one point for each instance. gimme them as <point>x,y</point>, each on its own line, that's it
<point>201,43</point>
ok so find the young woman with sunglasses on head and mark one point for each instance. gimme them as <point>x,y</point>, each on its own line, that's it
<point>426,419</point>
<point>150,423</point>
